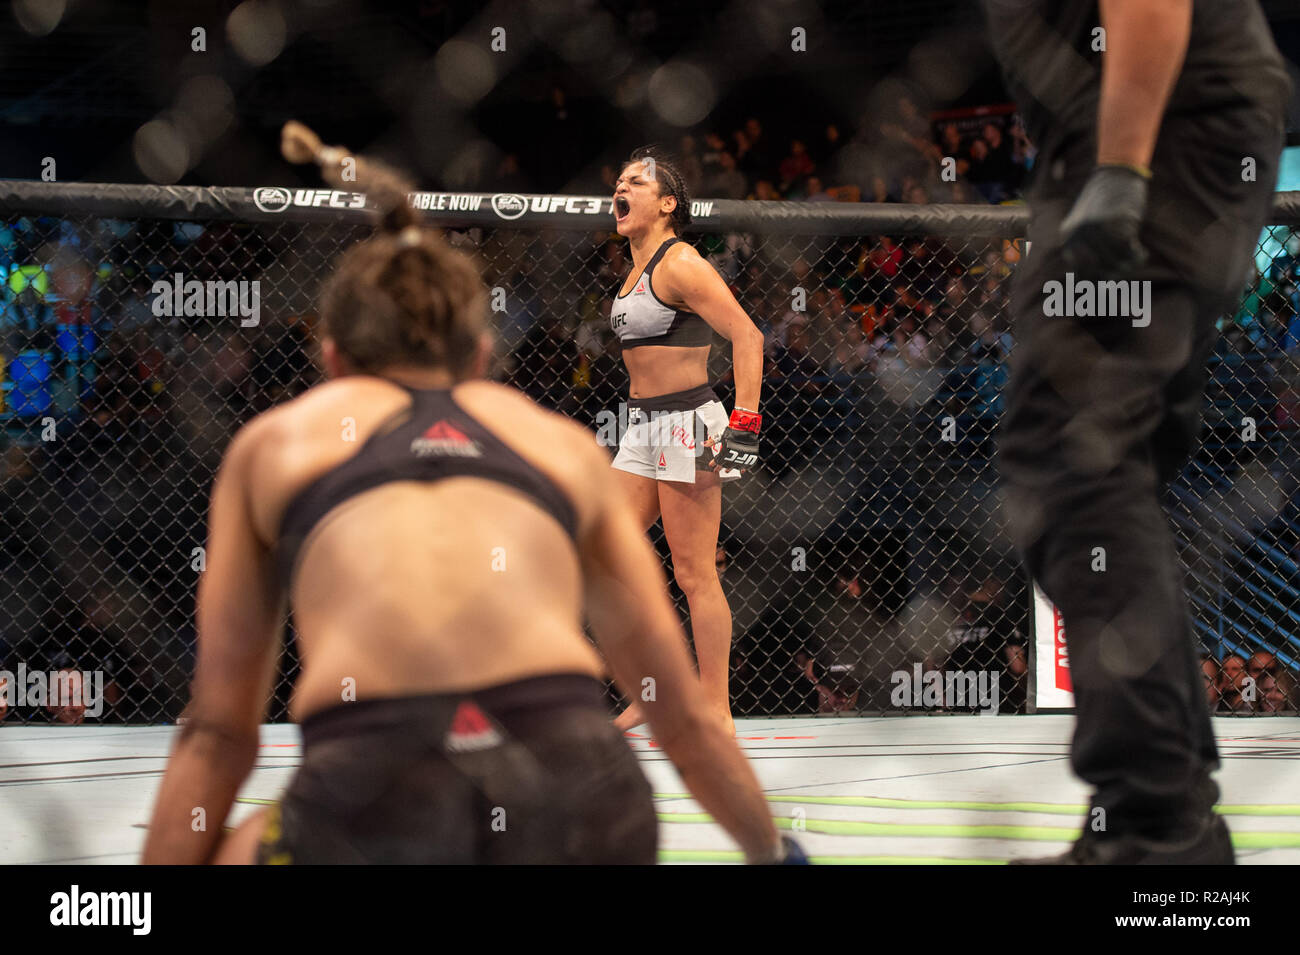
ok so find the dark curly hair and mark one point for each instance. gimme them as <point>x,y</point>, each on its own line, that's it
<point>670,180</point>
<point>403,296</point>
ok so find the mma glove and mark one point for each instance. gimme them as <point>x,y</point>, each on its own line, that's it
<point>1101,234</point>
<point>738,446</point>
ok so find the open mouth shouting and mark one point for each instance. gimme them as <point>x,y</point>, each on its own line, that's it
<point>621,208</point>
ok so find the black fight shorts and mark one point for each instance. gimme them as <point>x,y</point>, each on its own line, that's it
<point>530,772</point>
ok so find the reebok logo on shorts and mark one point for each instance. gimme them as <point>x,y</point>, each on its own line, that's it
<point>443,438</point>
<point>662,463</point>
<point>471,730</point>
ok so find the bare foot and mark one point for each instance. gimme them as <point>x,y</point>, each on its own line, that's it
<point>630,717</point>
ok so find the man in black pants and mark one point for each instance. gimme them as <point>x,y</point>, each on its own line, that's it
<point>1159,127</point>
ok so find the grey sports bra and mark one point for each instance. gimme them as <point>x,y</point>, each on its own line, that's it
<point>640,318</point>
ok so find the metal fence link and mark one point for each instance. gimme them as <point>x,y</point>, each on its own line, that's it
<point>869,542</point>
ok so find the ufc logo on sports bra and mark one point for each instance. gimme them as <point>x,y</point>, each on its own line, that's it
<point>617,320</point>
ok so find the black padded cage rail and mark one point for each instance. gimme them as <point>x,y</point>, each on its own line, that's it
<point>865,551</point>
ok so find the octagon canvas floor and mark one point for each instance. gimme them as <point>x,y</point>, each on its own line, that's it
<point>895,790</point>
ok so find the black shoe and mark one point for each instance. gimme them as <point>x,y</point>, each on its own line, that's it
<point>1211,844</point>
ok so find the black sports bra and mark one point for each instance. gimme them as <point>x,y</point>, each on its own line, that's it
<point>432,439</point>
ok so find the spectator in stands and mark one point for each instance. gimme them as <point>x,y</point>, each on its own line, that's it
<point>880,191</point>
<point>938,341</point>
<point>1277,692</point>
<point>909,341</point>
<point>728,254</point>
<point>960,192</point>
<point>29,319</point>
<point>836,630</point>
<point>1023,151</point>
<point>824,147</point>
<point>137,306</point>
<point>777,332</point>
<point>999,158</point>
<point>1210,675</point>
<point>926,267</point>
<point>71,710</point>
<point>613,264</point>
<point>795,166</point>
<point>956,307</point>
<point>1232,679</point>
<point>914,123</point>
<point>984,172</point>
<point>852,351</point>
<point>794,360</point>
<point>816,192</point>
<point>823,329</point>
<point>740,149</point>
<point>988,344</point>
<point>879,265</point>
<point>728,182</point>
<point>986,638</point>
<point>758,161</point>
<point>593,332</point>
<point>951,143</point>
<point>991,294</point>
<point>1288,320</point>
<point>711,157</point>
<point>1259,663</point>
<point>904,298</point>
<point>837,685</point>
<point>764,190</point>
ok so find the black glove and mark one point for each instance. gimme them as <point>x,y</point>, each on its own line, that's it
<point>1101,233</point>
<point>738,446</point>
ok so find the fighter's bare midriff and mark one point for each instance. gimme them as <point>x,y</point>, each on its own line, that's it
<point>664,369</point>
<point>415,588</point>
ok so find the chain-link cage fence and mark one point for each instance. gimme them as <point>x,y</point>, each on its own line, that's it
<point>142,326</point>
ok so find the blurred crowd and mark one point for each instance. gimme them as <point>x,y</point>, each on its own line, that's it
<point>115,417</point>
<point>1255,684</point>
<point>894,152</point>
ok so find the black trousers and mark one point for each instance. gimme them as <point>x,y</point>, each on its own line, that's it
<point>1101,414</point>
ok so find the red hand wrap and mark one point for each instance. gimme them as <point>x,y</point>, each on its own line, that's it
<point>745,421</point>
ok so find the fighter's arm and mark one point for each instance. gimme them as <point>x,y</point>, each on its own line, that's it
<point>1146,43</point>
<point>685,276</point>
<point>240,609</point>
<point>642,639</point>
<point>689,278</point>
